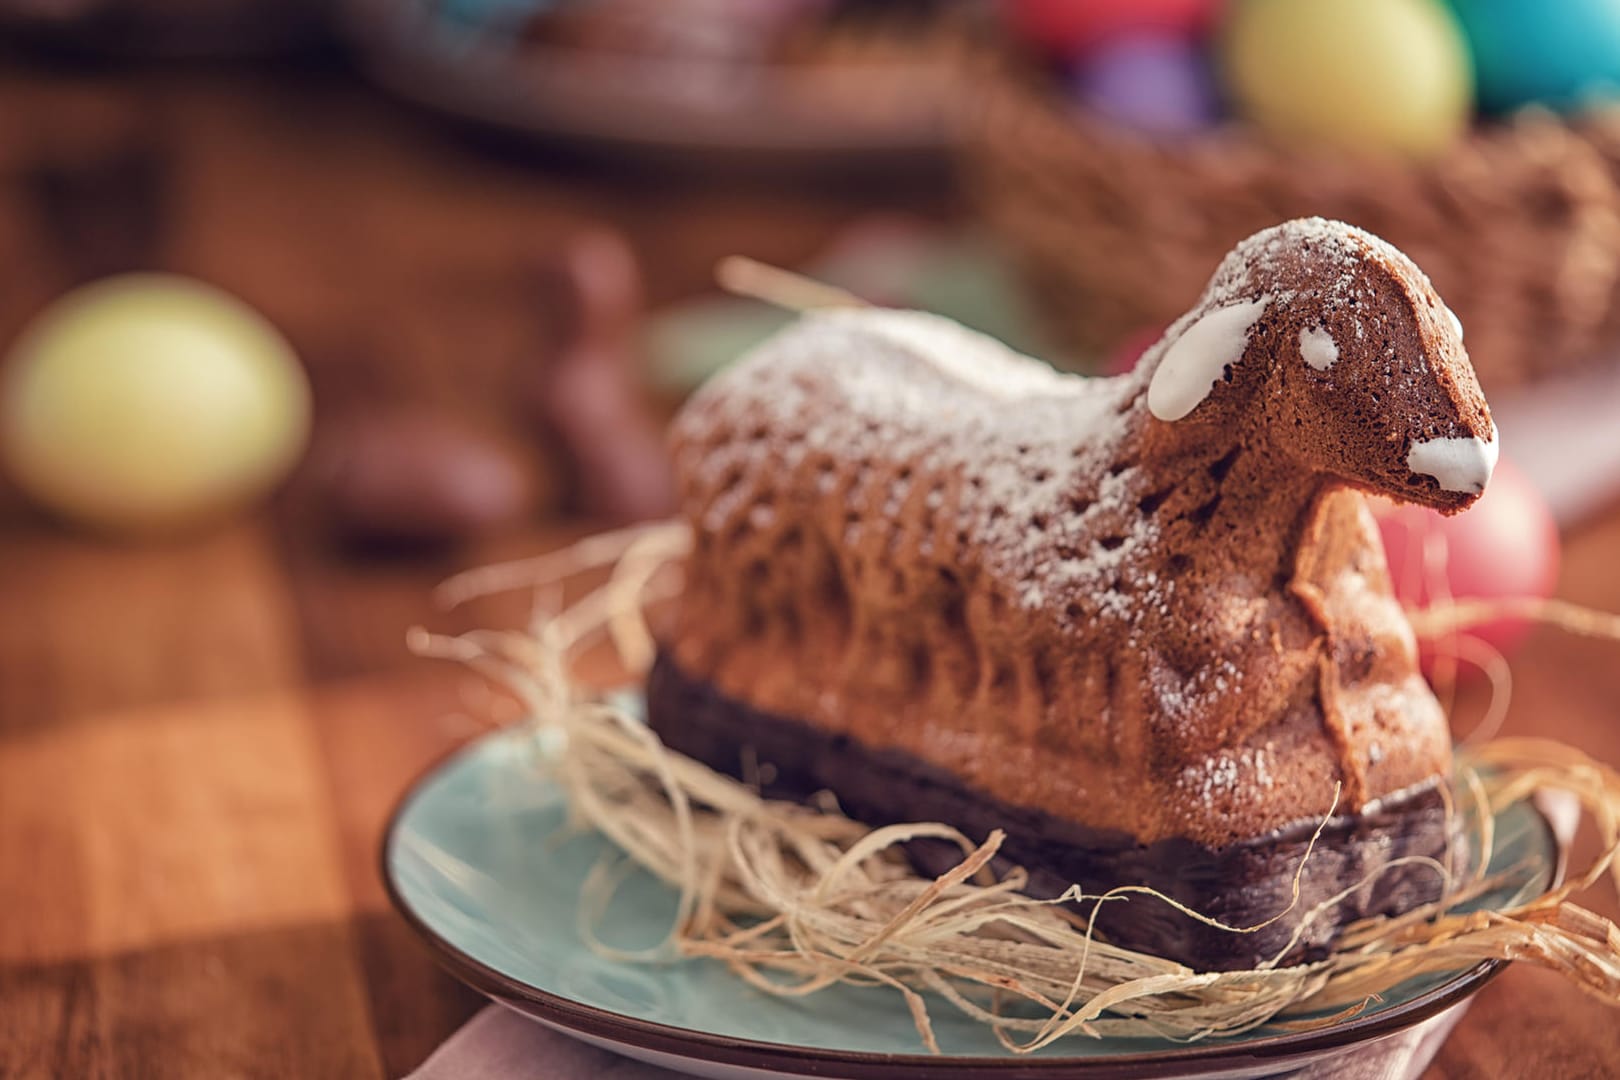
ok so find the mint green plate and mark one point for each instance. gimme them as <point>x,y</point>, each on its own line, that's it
<point>478,861</point>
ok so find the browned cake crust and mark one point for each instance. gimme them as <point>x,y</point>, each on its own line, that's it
<point>1163,628</point>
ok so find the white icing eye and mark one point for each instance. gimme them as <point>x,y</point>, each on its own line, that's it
<point>1196,360</point>
<point>1318,348</point>
<point>1456,323</point>
<point>1463,465</point>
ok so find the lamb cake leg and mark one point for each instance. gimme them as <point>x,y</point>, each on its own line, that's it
<point>1142,624</point>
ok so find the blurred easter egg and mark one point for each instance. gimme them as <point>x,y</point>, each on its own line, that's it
<point>1069,28</point>
<point>1560,54</point>
<point>1129,351</point>
<point>1506,545</point>
<point>150,402</point>
<point>1155,83</point>
<point>1373,75</point>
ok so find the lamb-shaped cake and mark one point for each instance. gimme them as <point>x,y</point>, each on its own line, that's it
<point>1143,624</point>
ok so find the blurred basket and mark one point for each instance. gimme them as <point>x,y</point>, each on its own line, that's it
<point>1518,226</point>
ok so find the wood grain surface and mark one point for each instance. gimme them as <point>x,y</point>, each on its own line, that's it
<point>200,740</point>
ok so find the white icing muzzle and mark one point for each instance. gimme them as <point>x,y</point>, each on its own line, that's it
<point>1463,465</point>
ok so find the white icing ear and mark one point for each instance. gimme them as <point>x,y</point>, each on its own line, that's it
<point>1318,348</point>
<point>1459,464</point>
<point>1196,360</point>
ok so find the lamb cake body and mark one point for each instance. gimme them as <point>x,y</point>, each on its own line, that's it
<point>1143,624</point>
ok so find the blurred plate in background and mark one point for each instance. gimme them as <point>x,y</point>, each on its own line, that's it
<point>841,84</point>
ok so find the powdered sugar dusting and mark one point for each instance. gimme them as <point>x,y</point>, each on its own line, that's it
<point>1225,775</point>
<point>1344,245</point>
<point>1338,246</point>
<point>976,359</point>
<point>917,388</point>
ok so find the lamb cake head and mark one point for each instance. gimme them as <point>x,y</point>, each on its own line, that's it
<point>1335,351</point>
<point>1143,624</point>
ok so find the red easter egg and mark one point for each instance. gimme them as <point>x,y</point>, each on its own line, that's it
<point>1505,545</point>
<point>1067,28</point>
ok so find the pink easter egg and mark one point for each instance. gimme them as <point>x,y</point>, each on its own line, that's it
<point>1506,545</point>
<point>1069,28</point>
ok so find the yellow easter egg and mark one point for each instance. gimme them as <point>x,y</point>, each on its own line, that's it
<point>150,402</point>
<point>1369,75</point>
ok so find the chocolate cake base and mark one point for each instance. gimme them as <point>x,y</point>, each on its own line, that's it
<point>1241,884</point>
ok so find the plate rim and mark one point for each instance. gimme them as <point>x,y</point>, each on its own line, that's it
<point>711,1048</point>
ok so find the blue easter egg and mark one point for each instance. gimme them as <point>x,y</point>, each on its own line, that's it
<point>1559,53</point>
<point>1155,83</point>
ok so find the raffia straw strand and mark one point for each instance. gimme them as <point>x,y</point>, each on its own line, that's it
<point>743,276</point>
<point>1437,619</point>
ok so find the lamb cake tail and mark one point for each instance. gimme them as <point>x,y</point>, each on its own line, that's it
<point>1143,624</point>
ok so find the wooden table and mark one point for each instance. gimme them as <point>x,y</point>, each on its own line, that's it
<point>199,741</point>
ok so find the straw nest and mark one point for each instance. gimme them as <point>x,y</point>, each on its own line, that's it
<point>796,900</point>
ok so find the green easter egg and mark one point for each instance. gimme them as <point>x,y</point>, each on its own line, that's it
<point>1389,76</point>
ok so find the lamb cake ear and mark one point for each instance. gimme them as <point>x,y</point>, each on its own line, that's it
<point>1199,357</point>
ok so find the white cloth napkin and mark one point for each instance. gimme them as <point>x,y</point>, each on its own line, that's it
<point>499,1044</point>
